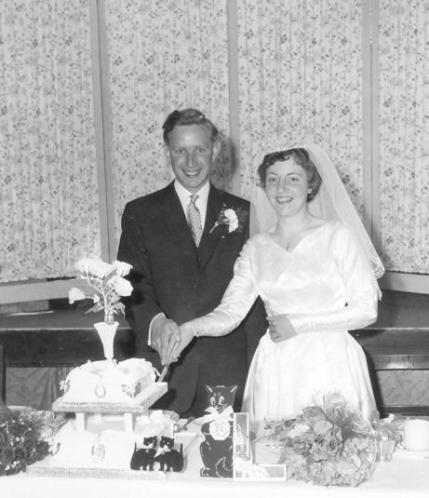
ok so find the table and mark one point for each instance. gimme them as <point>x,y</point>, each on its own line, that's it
<point>407,475</point>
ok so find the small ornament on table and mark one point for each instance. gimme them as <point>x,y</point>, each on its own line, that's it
<point>144,457</point>
<point>158,450</point>
<point>416,434</point>
<point>217,448</point>
<point>245,469</point>
<point>389,436</point>
<point>168,458</point>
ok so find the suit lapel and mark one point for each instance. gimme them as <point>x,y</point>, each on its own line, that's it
<point>175,220</point>
<point>210,238</point>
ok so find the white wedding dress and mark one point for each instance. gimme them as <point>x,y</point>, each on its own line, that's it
<point>326,287</point>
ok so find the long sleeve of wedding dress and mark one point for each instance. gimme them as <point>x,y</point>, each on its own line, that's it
<point>325,284</point>
<point>360,289</point>
<point>236,302</point>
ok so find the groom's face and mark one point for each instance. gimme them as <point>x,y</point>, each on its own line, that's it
<point>191,152</point>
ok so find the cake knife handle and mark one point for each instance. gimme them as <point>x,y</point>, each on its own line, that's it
<point>166,367</point>
<point>163,373</point>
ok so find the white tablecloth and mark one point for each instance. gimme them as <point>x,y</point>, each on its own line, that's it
<point>407,475</point>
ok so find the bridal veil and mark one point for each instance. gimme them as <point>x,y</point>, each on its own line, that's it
<point>332,202</point>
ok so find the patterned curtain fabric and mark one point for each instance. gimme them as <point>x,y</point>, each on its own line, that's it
<point>163,55</point>
<point>301,73</point>
<point>403,134</point>
<point>48,180</point>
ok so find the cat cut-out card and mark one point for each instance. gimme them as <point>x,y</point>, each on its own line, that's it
<point>226,450</point>
<point>216,449</point>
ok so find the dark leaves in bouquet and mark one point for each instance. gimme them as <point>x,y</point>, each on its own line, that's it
<point>20,443</point>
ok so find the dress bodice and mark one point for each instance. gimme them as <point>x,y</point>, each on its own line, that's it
<point>287,280</point>
<point>324,283</point>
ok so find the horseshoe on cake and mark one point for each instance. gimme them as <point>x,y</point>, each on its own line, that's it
<point>100,391</point>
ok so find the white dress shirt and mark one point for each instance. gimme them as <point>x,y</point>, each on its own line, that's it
<point>201,203</point>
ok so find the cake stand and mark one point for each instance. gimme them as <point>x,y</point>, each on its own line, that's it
<point>137,406</point>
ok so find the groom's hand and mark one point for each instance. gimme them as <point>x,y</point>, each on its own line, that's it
<point>164,334</point>
<point>281,328</point>
<point>186,337</point>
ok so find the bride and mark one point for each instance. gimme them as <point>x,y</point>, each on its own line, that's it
<point>315,270</point>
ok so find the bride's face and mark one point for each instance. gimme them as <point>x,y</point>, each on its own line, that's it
<point>286,186</point>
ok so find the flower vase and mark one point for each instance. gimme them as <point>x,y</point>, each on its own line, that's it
<point>107,332</point>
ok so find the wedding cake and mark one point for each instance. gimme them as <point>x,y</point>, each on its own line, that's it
<point>104,444</point>
<point>109,382</point>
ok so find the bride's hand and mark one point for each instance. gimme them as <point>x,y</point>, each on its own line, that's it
<point>281,328</point>
<point>186,335</point>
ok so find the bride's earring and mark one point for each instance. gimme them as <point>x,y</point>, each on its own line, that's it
<point>309,191</point>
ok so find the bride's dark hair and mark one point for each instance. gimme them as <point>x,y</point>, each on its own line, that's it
<point>302,158</point>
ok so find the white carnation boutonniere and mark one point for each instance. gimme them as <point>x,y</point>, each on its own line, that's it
<point>105,285</point>
<point>232,219</point>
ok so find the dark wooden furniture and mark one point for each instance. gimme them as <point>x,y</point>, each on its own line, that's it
<point>60,338</point>
<point>67,338</point>
<point>2,375</point>
<point>391,348</point>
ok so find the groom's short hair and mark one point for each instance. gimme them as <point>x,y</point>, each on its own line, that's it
<point>187,117</point>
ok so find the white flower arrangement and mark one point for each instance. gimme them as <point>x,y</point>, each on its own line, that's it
<point>108,282</point>
<point>328,444</point>
<point>231,219</point>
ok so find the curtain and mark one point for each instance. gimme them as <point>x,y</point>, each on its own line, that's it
<point>301,74</point>
<point>48,180</point>
<point>163,55</point>
<point>403,134</point>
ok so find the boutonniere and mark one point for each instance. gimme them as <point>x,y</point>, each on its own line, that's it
<point>232,219</point>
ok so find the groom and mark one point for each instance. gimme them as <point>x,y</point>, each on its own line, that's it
<point>182,262</point>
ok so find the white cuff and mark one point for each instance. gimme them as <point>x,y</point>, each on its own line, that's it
<point>149,335</point>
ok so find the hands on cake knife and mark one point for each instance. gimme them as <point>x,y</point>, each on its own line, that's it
<point>170,357</point>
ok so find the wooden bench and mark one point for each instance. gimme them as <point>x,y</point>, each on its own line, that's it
<point>2,375</point>
<point>67,338</point>
<point>395,349</point>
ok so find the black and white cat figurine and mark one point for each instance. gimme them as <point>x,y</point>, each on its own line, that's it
<point>169,459</point>
<point>217,453</point>
<point>144,457</point>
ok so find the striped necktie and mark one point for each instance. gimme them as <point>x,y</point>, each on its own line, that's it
<point>194,219</point>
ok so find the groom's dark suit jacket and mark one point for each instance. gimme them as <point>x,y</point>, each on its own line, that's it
<point>173,276</point>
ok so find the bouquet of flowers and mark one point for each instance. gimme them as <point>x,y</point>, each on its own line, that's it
<point>108,282</point>
<point>26,437</point>
<point>327,445</point>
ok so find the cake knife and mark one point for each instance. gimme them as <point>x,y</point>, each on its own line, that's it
<point>166,367</point>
